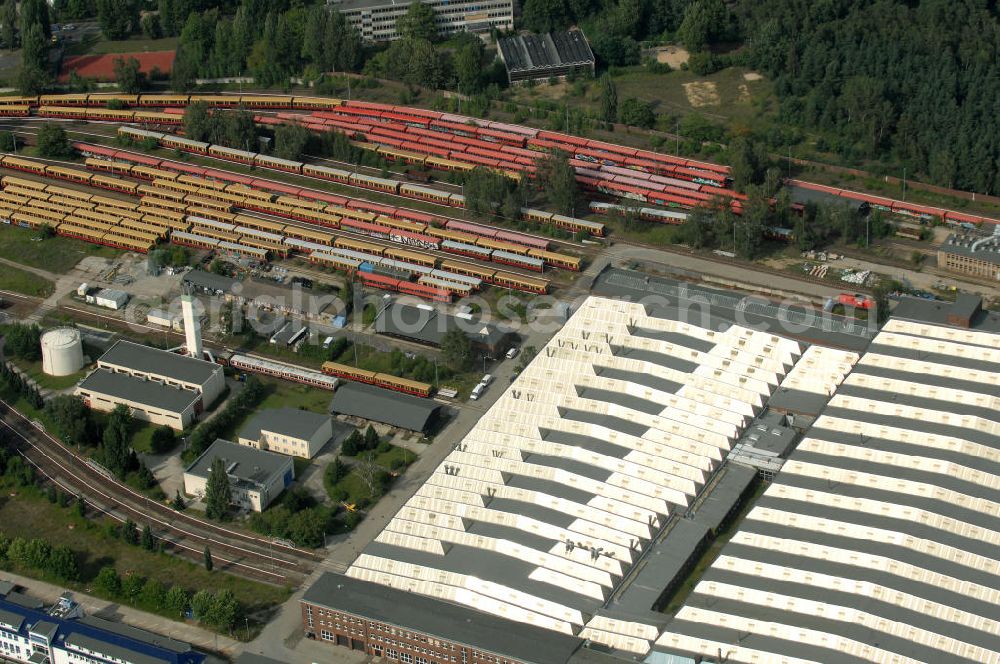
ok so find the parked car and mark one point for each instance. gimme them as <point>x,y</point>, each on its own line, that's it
<point>487,379</point>
<point>512,353</point>
<point>477,391</point>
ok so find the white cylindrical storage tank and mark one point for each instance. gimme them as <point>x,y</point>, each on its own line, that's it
<point>62,351</point>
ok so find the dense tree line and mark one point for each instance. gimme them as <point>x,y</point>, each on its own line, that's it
<point>38,555</point>
<point>297,517</point>
<point>919,79</point>
<point>269,41</point>
<point>236,410</point>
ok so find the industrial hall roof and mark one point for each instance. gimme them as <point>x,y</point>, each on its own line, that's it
<point>616,425</point>
<point>879,539</point>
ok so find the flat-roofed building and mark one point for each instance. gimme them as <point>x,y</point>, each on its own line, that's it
<point>409,627</point>
<point>158,386</point>
<point>256,477</point>
<point>148,400</point>
<point>556,54</point>
<point>288,431</point>
<point>376,20</point>
<point>879,538</point>
<point>609,435</point>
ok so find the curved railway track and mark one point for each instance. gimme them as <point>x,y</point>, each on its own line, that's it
<point>239,552</point>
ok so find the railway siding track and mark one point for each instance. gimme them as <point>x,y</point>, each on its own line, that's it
<point>241,552</point>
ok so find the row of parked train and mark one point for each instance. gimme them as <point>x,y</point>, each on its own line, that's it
<point>197,212</point>
<point>339,175</point>
<point>478,241</point>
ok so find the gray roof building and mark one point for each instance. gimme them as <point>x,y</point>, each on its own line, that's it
<point>542,56</point>
<point>290,422</point>
<point>247,465</point>
<point>440,619</point>
<point>154,361</point>
<point>427,325</point>
<point>137,390</point>
<point>385,406</point>
<point>716,308</point>
<point>209,282</point>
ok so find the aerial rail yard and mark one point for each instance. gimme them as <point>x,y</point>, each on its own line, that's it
<point>201,217</point>
<point>213,199</point>
<point>460,143</point>
<point>338,175</point>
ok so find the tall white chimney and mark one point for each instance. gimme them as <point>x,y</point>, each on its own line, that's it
<point>192,327</point>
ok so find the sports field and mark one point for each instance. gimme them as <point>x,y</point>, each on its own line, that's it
<point>102,67</point>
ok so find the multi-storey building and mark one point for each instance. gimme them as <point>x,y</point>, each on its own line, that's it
<point>415,629</point>
<point>63,635</point>
<point>375,20</point>
<point>287,431</point>
<point>256,477</point>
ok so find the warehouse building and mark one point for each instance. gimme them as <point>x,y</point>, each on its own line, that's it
<point>877,541</point>
<point>288,431</point>
<point>375,20</point>
<point>426,325</point>
<point>540,57</point>
<point>156,385</point>
<point>407,627</point>
<point>618,431</point>
<point>63,635</point>
<point>376,404</point>
<point>257,477</point>
<point>972,253</point>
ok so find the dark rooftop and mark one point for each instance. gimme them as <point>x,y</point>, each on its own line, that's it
<point>209,281</point>
<point>137,390</point>
<point>138,357</point>
<point>444,620</point>
<point>539,52</point>
<point>937,312</point>
<point>385,406</point>
<point>245,463</point>
<point>429,326</point>
<point>713,307</point>
<point>291,422</point>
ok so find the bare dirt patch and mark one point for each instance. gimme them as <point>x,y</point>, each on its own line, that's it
<point>702,93</point>
<point>744,92</point>
<point>752,76</point>
<point>675,56</point>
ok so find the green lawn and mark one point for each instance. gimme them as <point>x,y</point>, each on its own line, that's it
<point>57,254</point>
<point>28,514</point>
<point>142,439</point>
<point>284,394</point>
<point>356,489</point>
<point>96,46</point>
<point>21,281</point>
<point>34,370</point>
